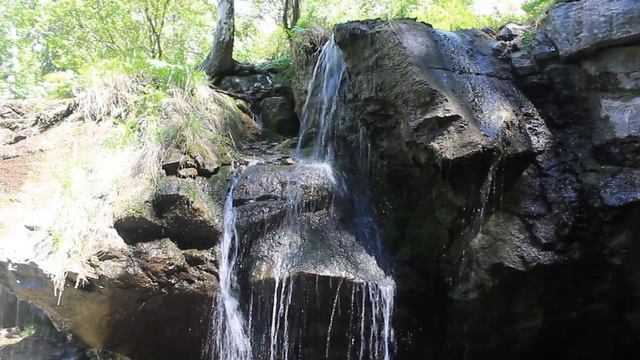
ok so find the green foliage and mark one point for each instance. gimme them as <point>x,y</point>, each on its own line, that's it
<point>28,330</point>
<point>537,8</point>
<point>164,39</point>
<point>528,40</point>
<point>282,67</point>
<point>38,38</point>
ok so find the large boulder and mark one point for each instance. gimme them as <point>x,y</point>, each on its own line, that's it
<point>182,209</point>
<point>290,215</point>
<point>278,116</point>
<point>441,94</point>
<point>123,301</point>
<point>585,26</point>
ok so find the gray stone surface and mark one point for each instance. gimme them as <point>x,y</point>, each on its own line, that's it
<point>588,25</point>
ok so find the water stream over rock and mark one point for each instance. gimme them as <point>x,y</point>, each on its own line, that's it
<point>321,233</point>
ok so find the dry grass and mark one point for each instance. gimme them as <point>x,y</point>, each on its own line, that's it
<point>109,97</point>
<point>62,213</point>
<point>76,185</point>
<point>197,122</point>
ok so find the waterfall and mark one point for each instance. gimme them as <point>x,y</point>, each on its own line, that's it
<point>231,340</point>
<point>322,115</point>
<point>320,111</point>
<point>276,331</point>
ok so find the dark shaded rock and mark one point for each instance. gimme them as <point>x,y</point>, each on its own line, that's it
<point>522,64</point>
<point>278,116</point>
<point>503,242</point>
<point>588,25</point>
<point>544,53</point>
<point>127,309</point>
<point>250,84</point>
<point>328,333</point>
<point>618,189</point>
<point>189,216</point>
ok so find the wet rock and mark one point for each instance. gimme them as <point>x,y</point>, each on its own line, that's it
<point>503,242</point>
<point>278,116</point>
<point>619,189</point>
<point>312,183</point>
<point>544,52</point>
<point>434,102</point>
<point>588,25</point>
<point>319,246</point>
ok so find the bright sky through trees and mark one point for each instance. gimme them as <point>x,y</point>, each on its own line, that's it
<point>47,45</point>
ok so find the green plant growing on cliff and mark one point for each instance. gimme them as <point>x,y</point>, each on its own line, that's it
<point>528,40</point>
<point>282,66</point>
<point>28,330</point>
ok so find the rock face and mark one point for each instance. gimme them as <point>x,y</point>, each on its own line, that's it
<point>272,102</point>
<point>133,288</point>
<point>503,172</point>
<point>289,215</point>
<point>586,26</point>
<point>467,106</point>
<point>115,259</point>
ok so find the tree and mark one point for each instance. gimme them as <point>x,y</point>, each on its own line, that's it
<point>295,14</point>
<point>220,59</point>
<point>155,13</point>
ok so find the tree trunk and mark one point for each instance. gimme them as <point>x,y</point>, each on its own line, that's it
<point>220,59</point>
<point>295,14</point>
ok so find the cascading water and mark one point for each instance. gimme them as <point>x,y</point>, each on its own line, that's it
<point>323,112</point>
<point>320,110</point>
<point>231,340</point>
<point>273,329</point>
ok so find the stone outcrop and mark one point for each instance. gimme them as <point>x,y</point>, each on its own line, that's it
<point>444,95</point>
<point>586,26</point>
<point>129,260</point>
<point>290,215</point>
<point>505,166</point>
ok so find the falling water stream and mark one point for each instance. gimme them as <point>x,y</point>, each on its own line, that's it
<point>231,340</point>
<point>371,313</point>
